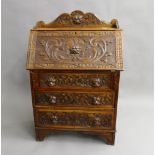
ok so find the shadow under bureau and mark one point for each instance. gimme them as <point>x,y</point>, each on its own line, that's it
<point>75,63</point>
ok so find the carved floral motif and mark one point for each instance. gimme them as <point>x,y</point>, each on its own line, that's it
<point>96,120</point>
<point>74,49</point>
<point>75,80</point>
<point>74,99</point>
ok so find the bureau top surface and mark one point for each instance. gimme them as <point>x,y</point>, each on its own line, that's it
<point>75,41</point>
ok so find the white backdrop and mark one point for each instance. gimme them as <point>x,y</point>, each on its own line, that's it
<point>135,106</point>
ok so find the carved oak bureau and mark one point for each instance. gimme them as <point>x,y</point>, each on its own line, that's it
<point>75,63</point>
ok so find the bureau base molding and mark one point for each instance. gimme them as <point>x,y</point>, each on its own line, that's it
<point>107,136</point>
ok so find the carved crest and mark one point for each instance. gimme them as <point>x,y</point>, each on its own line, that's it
<point>77,18</point>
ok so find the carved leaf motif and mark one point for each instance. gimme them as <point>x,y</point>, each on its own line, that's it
<point>75,80</point>
<point>76,119</point>
<point>74,99</point>
<point>63,50</point>
<point>94,49</point>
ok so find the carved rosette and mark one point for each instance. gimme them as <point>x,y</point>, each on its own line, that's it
<point>75,80</point>
<point>94,120</point>
<point>74,99</point>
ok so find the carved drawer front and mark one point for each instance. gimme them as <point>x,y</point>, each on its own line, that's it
<point>72,119</point>
<point>74,99</point>
<point>76,81</point>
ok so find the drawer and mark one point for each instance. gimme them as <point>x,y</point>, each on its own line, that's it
<point>69,80</point>
<point>75,119</point>
<point>74,99</point>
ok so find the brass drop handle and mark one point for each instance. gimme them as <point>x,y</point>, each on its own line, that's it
<point>51,81</point>
<point>75,50</point>
<point>96,82</point>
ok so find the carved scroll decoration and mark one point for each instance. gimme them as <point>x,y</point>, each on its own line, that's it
<point>75,50</point>
<point>77,18</point>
